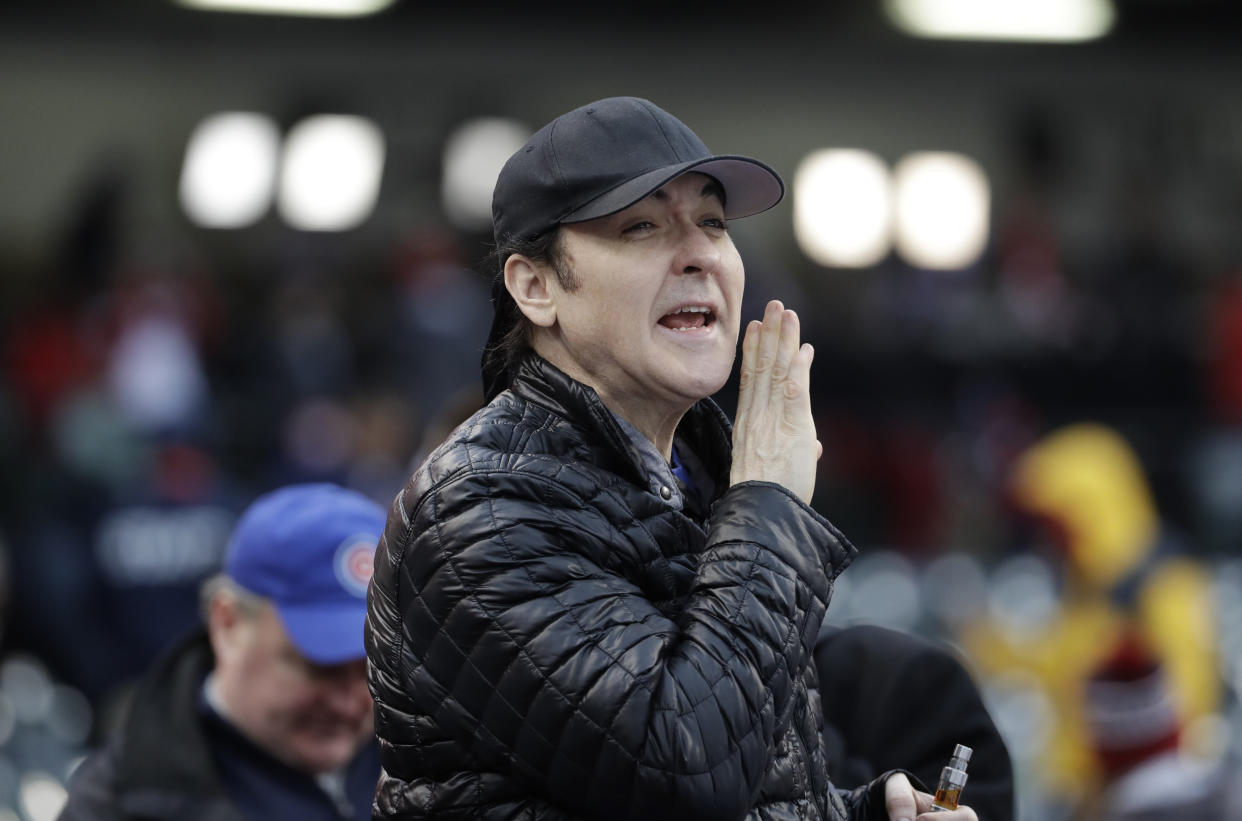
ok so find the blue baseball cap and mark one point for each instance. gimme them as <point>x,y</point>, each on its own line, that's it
<point>309,549</point>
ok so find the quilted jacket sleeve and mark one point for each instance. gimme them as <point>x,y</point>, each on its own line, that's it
<point>520,638</point>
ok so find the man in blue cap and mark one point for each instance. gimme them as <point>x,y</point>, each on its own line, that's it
<point>263,713</point>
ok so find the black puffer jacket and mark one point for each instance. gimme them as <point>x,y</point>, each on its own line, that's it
<point>551,636</point>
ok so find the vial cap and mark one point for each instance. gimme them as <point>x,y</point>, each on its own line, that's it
<point>952,778</point>
<point>962,752</point>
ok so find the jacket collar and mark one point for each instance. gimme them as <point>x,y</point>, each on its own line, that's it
<point>704,429</point>
<point>163,709</point>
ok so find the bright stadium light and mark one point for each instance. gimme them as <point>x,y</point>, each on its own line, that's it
<point>473,157</point>
<point>230,169</point>
<point>330,176</point>
<point>300,8</point>
<point>942,210</point>
<point>842,207</point>
<point>41,795</point>
<point>1065,21</point>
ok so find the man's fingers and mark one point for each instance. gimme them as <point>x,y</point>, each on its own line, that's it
<point>772,316</point>
<point>962,813</point>
<point>746,384</point>
<point>765,355</point>
<point>787,346</point>
<point>899,800</point>
<point>924,802</point>
<point>797,382</point>
<point>770,338</point>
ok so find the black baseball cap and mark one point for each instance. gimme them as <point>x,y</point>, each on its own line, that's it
<point>594,161</point>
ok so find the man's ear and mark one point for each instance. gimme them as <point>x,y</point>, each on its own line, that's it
<point>226,625</point>
<point>527,282</point>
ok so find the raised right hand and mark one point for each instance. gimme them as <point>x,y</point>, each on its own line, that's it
<point>774,432</point>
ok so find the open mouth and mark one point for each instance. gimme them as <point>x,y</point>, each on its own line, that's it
<point>689,318</point>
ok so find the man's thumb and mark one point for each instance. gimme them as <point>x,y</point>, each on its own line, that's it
<point>899,798</point>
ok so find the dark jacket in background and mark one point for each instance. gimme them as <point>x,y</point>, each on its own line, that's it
<point>163,764</point>
<point>554,634</point>
<point>897,700</point>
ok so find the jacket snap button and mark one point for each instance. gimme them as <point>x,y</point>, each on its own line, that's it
<point>666,492</point>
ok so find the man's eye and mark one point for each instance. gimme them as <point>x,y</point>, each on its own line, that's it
<point>717,222</point>
<point>641,225</point>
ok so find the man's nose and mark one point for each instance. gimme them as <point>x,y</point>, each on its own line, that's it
<point>697,253</point>
<point>347,694</point>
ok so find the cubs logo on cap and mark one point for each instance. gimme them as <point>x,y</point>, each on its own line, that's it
<point>355,559</point>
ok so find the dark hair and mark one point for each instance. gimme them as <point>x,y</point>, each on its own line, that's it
<point>545,249</point>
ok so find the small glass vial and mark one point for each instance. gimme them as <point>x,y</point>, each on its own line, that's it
<point>952,780</point>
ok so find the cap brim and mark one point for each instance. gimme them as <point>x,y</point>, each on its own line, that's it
<point>750,187</point>
<point>326,634</point>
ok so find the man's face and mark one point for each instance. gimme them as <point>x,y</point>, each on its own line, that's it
<point>311,716</point>
<point>654,321</point>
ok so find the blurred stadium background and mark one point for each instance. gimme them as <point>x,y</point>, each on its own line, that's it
<point>238,250</point>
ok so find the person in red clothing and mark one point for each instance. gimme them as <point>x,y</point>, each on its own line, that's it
<point>1136,736</point>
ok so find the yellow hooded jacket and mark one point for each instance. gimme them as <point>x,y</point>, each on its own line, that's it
<point>1086,482</point>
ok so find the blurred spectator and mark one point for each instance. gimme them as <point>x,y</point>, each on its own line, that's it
<point>1136,736</point>
<point>111,561</point>
<point>1215,466</point>
<point>885,477</point>
<point>121,506</point>
<point>382,446</point>
<point>1037,298</point>
<point>1224,343</point>
<point>896,700</point>
<point>1083,489</point>
<point>155,372</point>
<point>362,440</point>
<point>264,712</point>
<point>456,409</point>
<point>51,345</point>
<point>313,346</point>
<point>47,354</point>
<point>443,314</point>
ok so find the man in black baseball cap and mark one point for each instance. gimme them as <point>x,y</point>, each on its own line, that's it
<point>593,162</point>
<point>597,599</point>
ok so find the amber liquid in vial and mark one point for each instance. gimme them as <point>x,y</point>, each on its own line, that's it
<point>946,799</point>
